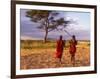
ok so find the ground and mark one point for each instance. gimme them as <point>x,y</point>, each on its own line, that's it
<point>36,54</point>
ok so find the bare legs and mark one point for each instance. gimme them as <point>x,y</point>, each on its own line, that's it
<point>73,59</point>
<point>58,60</point>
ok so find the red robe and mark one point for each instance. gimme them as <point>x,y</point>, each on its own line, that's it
<point>59,48</point>
<point>72,48</point>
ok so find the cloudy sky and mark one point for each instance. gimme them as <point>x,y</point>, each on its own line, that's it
<point>81,27</point>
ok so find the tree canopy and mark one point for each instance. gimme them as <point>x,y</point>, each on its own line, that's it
<point>48,20</point>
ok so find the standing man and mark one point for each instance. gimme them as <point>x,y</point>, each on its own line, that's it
<point>59,48</point>
<point>72,48</point>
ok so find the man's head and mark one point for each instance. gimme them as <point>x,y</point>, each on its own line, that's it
<point>61,37</point>
<point>73,36</point>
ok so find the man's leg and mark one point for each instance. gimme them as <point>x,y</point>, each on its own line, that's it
<point>73,60</point>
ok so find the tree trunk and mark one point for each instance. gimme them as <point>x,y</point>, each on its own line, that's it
<point>45,38</point>
<point>46,30</point>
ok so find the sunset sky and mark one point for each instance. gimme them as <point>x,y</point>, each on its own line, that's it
<point>81,27</point>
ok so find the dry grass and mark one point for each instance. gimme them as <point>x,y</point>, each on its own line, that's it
<point>36,55</point>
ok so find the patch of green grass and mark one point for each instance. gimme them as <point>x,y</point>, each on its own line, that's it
<point>37,44</point>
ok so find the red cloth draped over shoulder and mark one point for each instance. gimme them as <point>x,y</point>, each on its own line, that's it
<point>72,48</point>
<point>59,48</point>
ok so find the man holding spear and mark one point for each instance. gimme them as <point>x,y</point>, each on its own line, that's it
<point>59,48</point>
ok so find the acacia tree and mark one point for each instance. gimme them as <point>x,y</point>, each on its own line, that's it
<point>48,20</point>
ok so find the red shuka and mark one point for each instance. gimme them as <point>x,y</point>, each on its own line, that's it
<point>72,48</point>
<point>59,48</point>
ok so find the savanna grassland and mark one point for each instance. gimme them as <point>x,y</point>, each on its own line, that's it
<point>37,54</point>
